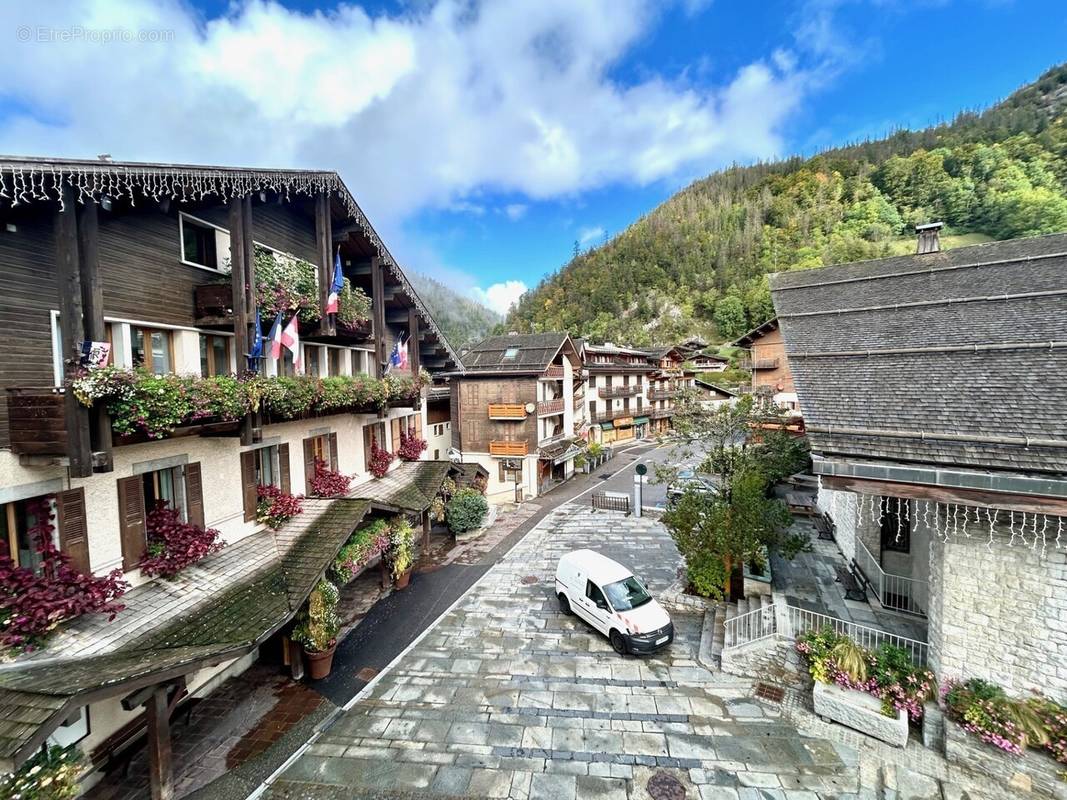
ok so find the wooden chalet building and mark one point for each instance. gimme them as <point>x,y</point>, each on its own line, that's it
<point>668,380</point>
<point>769,363</point>
<point>161,262</point>
<point>513,412</point>
<point>934,389</point>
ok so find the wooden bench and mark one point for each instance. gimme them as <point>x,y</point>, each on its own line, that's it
<point>824,524</point>
<point>854,589</point>
<point>801,503</point>
<point>118,749</point>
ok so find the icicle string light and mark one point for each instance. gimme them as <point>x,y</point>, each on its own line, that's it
<point>25,182</point>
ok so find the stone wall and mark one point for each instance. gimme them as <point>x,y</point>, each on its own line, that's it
<point>999,613</point>
<point>1032,772</point>
<point>774,660</point>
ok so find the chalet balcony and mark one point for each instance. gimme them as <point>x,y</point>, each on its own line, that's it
<point>662,394</point>
<point>661,413</point>
<point>500,448</point>
<point>507,411</point>
<point>553,373</point>
<point>766,363</point>
<point>213,304</point>
<point>547,408</point>
<point>608,392</point>
<point>622,413</point>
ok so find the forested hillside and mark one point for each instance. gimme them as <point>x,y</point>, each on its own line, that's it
<point>462,319</point>
<point>697,263</point>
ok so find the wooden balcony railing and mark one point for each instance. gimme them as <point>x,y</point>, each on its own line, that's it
<point>515,411</point>
<point>508,448</point>
<point>661,413</point>
<point>608,392</point>
<point>766,363</point>
<point>662,394</point>
<point>553,373</point>
<point>548,407</point>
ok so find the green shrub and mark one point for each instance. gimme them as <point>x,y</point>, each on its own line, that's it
<point>466,510</point>
<point>707,573</point>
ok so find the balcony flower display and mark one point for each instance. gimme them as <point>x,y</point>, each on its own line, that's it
<point>174,544</point>
<point>276,507</point>
<point>327,482</point>
<point>411,447</point>
<point>363,545</point>
<point>33,604</point>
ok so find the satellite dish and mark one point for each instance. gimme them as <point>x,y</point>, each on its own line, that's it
<point>454,454</point>
<point>530,408</point>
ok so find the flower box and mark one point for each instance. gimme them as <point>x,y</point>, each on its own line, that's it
<point>860,711</point>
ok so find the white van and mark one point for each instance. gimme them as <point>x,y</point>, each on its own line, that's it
<point>608,596</point>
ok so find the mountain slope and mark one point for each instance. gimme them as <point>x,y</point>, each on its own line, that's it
<point>697,263</point>
<point>462,319</point>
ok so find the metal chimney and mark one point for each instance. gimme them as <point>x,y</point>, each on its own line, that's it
<point>929,240</point>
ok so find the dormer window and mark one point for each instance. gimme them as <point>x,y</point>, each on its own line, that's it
<point>511,354</point>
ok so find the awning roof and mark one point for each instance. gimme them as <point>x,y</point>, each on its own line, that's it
<point>409,487</point>
<point>37,695</point>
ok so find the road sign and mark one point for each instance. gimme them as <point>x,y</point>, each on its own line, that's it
<point>640,469</point>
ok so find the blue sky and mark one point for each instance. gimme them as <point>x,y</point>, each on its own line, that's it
<point>484,141</point>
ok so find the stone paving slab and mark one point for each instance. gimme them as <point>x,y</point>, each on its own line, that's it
<point>506,697</point>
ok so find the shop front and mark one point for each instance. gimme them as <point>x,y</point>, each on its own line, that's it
<point>640,427</point>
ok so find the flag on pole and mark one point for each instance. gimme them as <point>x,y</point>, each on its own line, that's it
<point>291,339</point>
<point>395,359</point>
<point>275,337</point>
<point>402,343</point>
<point>256,352</point>
<point>333,302</point>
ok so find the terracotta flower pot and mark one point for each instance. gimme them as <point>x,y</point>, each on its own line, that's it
<point>320,664</point>
<point>404,579</point>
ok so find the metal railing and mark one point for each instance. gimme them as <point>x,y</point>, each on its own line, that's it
<point>611,501</point>
<point>619,391</point>
<point>895,592</point>
<point>753,626</point>
<point>801,621</point>
<point>548,407</point>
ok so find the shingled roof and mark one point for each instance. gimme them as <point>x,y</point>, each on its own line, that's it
<point>37,695</point>
<point>955,358</point>
<point>533,352</point>
<point>411,486</point>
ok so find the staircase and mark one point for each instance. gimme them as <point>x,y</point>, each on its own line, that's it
<point>734,625</point>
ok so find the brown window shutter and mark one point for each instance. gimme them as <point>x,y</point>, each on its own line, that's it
<point>418,424</point>
<point>333,452</point>
<point>194,494</point>
<point>283,466</point>
<point>309,465</point>
<point>73,528</point>
<point>132,529</point>
<point>248,484</point>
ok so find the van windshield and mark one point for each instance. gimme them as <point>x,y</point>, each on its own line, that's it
<point>626,594</point>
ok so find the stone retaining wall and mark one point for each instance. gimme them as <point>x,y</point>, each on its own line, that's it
<point>1032,772</point>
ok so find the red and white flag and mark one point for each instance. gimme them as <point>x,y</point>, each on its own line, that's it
<point>275,337</point>
<point>291,339</point>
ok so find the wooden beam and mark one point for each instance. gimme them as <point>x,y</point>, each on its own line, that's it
<point>71,331</point>
<point>413,341</point>
<point>324,246</point>
<point>360,268</point>
<point>160,768</point>
<point>378,314</point>
<point>397,316</point>
<point>241,253</point>
<point>425,532</point>
<point>1034,504</point>
<point>92,297</point>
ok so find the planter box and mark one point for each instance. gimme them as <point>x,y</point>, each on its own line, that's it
<point>860,711</point>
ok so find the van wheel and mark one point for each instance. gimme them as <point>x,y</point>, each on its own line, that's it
<point>618,644</point>
<point>564,604</point>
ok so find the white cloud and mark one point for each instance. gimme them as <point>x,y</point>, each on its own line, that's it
<point>515,211</point>
<point>442,102</point>
<point>500,296</point>
<point>590,235</point>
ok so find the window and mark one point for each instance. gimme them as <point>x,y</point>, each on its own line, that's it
<point>198,243</point>
<point>627,594</point>
<point>896,525</point>
<point>592,591</point>
<point>511,354</point>
<point>320,449</point>
<point>333,359</point>
<point>166,486</point>
<point>151,348</point>
<point>17,521</point>
<point>214,355</point>
<point>267,466</point>
<point>360,362</point>
<point>313,360</point>
<point>592,381</point>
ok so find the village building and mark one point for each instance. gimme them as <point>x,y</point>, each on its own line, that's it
<point>154,267</point>
<point>712,397</point>
<point>616,394</point>
<point>513,412</point>
<point>769,363</point>
<point>667,382</point>
<point>933,391</point>
<point>708,362</point>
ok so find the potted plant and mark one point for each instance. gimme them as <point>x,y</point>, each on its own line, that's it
<point>317,629</point>
<point>401,551</point>
<point>52,774</point>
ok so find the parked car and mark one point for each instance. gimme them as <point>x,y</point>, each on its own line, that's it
<point>609,597</point>
<point>686,480</point>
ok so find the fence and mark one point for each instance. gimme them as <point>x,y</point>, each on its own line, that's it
<point>894,592</point>
<point>611,501</point>
<point>764,623</point>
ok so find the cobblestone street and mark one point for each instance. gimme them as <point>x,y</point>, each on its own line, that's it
<point>506,697</point>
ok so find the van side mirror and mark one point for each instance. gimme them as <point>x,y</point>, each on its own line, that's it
<point>602,604</point>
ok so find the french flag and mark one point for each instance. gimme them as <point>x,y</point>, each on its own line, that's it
<point>275,337</point>
<point>291,339</point>
<point>333,302</point>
